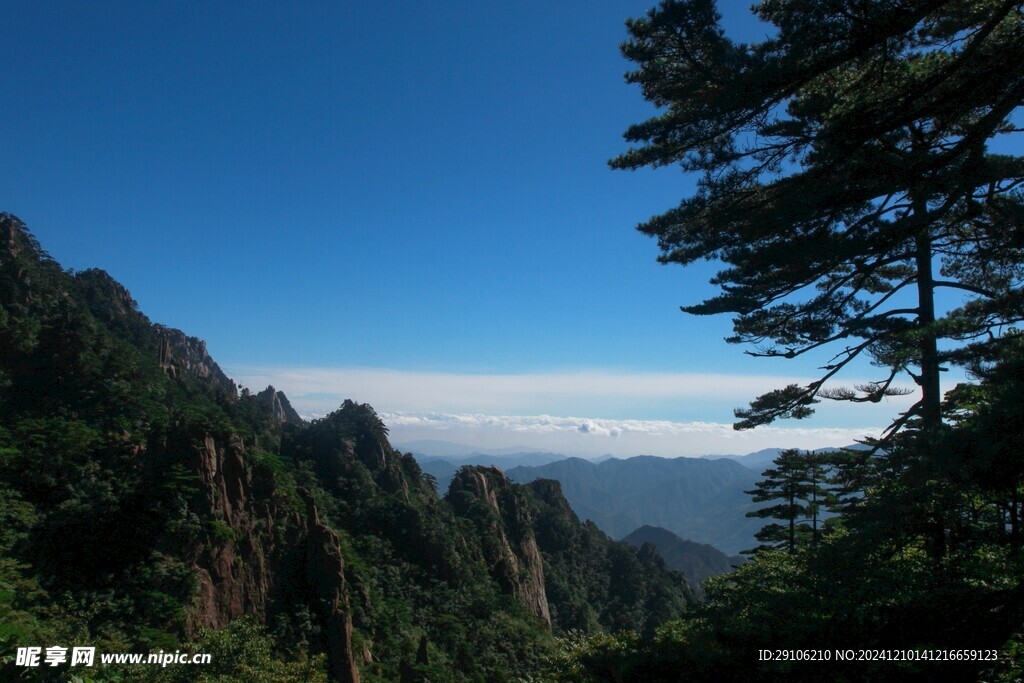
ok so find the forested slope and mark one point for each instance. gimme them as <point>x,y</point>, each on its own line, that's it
<point>147,504</point>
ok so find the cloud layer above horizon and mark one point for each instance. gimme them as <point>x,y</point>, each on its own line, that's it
<point>624,413</point>
<point>593,436</point>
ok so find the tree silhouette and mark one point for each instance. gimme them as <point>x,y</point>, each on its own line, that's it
<point>846,184</point>
<point>797,482</point>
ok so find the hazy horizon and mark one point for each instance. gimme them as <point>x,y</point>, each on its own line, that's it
<point>588,414</point>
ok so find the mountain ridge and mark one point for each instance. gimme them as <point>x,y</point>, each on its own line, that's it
<point>135,477</point>
<point>697,561</point>
<point>695,498</point>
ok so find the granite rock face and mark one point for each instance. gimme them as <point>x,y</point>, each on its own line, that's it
<point>485,495</point>
<point>254,560</point>
<point>277,403</point>
<point>325,574</point>
<point>181,354</point>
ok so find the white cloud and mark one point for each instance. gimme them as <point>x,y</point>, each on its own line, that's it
<point>322,388</point>
<point>495,410</point>
<point>593,436</point>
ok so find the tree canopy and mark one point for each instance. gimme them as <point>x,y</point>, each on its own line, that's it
<point>797,482</point>
<point>852,190</point>
<point>850,184</point>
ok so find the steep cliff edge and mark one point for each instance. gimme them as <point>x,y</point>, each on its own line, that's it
<point>325,574</point>
<point>486,496</point>
<point>568,573</point>
<point>594,583</point>
<point>179,353</point>
<point>233,560</point>
<point>265,554</point>
<point>280,408</point>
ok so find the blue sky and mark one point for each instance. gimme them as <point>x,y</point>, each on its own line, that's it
<point>402,203</point>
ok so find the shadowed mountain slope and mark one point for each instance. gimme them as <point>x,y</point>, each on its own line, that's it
<point>695,498</point>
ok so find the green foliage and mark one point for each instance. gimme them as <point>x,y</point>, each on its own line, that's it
<point>134,483</point>
<point>582,657</point>
<point>242,652</point>
<point>798,482</point>
<point>221,531</point>
<point>841,160</point>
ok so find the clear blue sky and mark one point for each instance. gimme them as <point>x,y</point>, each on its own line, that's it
<point>376,200</point>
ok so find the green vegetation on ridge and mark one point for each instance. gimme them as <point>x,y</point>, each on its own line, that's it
<point>145,504</point>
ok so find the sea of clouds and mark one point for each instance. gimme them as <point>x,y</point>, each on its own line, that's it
<point>623,413</point>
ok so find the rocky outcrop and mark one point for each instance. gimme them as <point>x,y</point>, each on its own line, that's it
<point>485,495</point>
<point>180,354</point>
<point>325,574</point>
<point>108,299</point>
<point>232,563</point>
<point>254,558</point>
<point>280,409</point>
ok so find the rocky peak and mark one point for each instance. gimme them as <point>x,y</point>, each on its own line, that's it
<point>485,495</point>
<point>280,409</point>
<point>107,298</point>
<point>325,575</point>
<point>180,355</point>
<point>256,558</point>
<point>550,492</point>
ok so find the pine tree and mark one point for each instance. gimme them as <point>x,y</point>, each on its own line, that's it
<point>846,182</point>
<point>797,482</point>
<point>817,490</point>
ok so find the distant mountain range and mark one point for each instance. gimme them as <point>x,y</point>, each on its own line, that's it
<point>697,561</point>
<point>762,459</point>
<point>443,469</point>
<point>758,460</point>
<point>695,498</point>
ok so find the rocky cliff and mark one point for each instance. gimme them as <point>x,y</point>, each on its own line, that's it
<point>256,558</point>
<point>181,354</point>
<point>280,408</point>
<point>485,495</point>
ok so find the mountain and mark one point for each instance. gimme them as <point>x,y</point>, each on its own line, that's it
<point>147,504</point>
<point>586,582</point>
<point>764,458</point>
<point>697,561</point>
<point>443,469</point>
<point>758,460</point>
<point>696,498</point>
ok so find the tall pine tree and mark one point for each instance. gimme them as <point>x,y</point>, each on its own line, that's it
<point>848,183</point>
<point>797,482</point>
